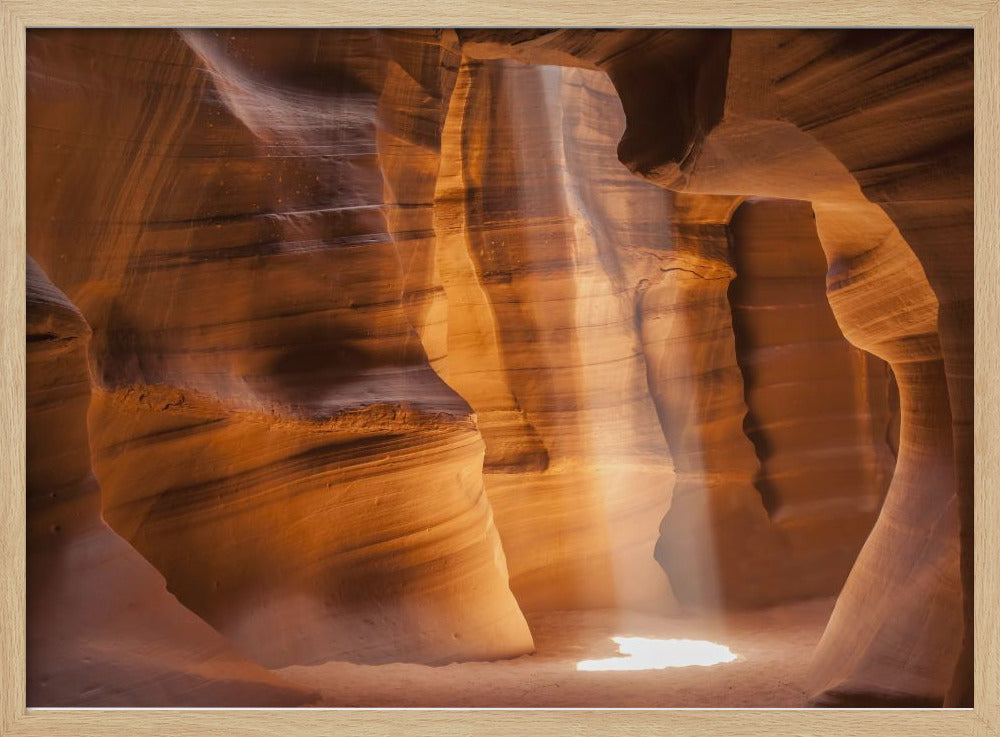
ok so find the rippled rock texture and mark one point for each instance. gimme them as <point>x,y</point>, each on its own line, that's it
<point>385,338</point>
<point>102,628</point>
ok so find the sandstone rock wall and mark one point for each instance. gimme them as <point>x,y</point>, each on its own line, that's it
<point>265,423</point>
<point>102,630</point>
<point>819,410</point>
<point>792,458</point>
<point>422,339</point>
<point>874,128</point>
<point>537,237</point>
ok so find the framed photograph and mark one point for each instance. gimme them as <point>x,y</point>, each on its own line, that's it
<point>449,370</point>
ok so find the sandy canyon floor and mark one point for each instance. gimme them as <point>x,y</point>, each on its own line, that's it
<point>773,648</point>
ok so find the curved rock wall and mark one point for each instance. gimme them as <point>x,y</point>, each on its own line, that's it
<point>863,125</point>
<point>533,252</point>
<point>258,375</point>
<point>792,421</point>
<point>819,410</point>
<point>102,630</point>
<point>687,333</point>
<point>406,271</point>
<point>896,109</point>
<point>519,239</point>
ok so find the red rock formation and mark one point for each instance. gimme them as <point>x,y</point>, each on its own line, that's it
<point>535,250</point>
<point>394,300</point>
<point>654,258</point>
<point>896,109</point>
<point>252,311</point>
<point>819,410</point>
<point>102,629</point>
<point>778,373</point>
<point>817,116</point>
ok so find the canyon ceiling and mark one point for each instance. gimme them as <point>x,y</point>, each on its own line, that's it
<point>362,344</point>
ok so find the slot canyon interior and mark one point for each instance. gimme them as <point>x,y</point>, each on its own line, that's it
<point>499,368</point>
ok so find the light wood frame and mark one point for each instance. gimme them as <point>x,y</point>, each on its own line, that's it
<point>18,15</point>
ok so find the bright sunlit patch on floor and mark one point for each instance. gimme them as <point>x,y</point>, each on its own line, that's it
<point>646,653</point>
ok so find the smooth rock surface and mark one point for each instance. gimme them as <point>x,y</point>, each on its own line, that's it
<point>102,630</point>
<point>400,334</point>
<point>266,426</point>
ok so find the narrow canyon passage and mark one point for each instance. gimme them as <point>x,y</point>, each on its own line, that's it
<point>497,368</point>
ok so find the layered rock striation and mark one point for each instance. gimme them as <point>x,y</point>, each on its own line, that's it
<point>102,630</point>
<point>398,334</point>
<point>266,425</point>
<point>874,129</point>
<point>538,253</point>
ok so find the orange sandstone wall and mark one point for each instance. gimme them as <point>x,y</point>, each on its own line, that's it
<point>399,333</point>
<point>102,630</point>
<point>874,129</point>
<point>266,426</point>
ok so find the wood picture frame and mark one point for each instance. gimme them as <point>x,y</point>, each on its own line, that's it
<point>981,721</point>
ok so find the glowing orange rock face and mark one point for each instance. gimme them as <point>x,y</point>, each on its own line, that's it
<point>102,630</point>
<point>389,346</point>
<point>272,438</point>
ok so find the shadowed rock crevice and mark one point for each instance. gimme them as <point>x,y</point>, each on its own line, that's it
<point>817,407</point>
